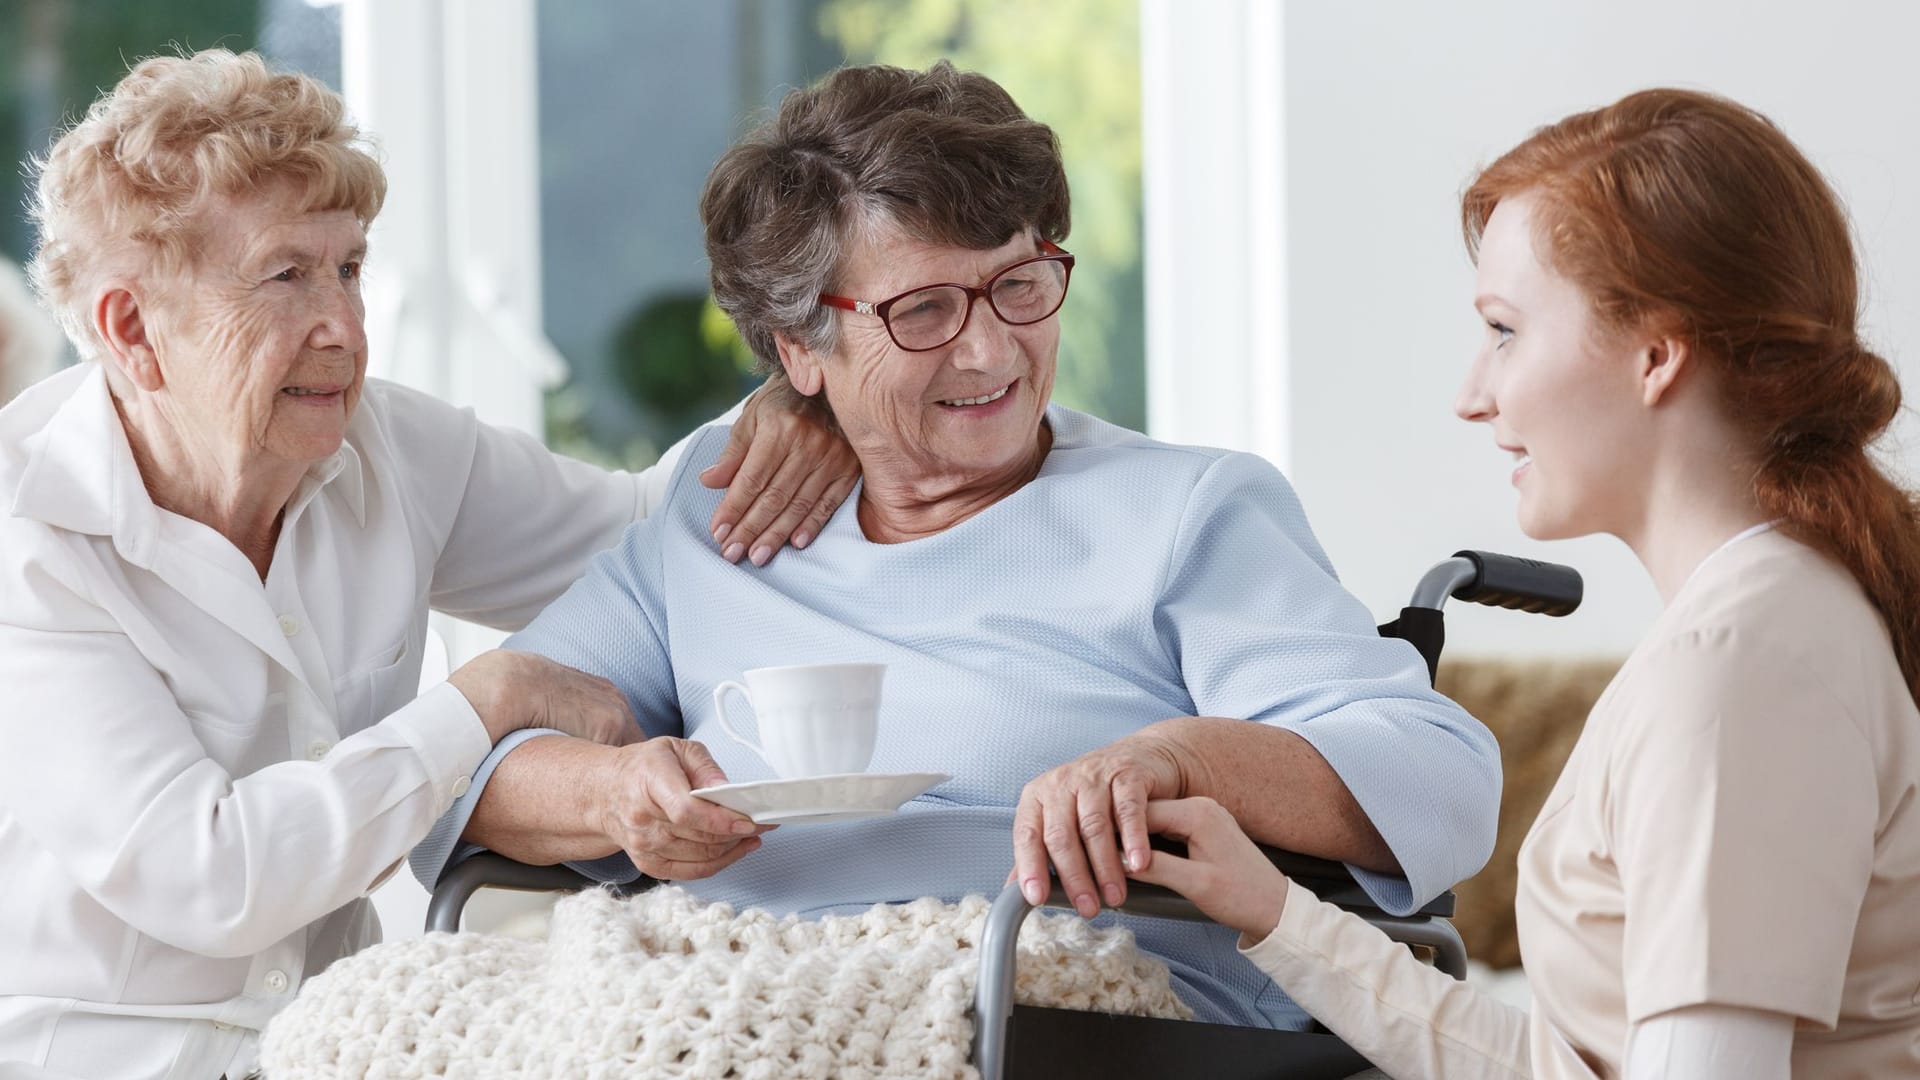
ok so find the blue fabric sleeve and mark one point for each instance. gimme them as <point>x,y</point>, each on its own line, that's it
<point>1261,628</point>
<point>443,848</point>
<point>613,623</point>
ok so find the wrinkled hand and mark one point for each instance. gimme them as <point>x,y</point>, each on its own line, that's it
<point>1223,873</point>
<point>652,814</point>
<point>514,690</point>
<point>1082,815</point>
<point>786,468</point>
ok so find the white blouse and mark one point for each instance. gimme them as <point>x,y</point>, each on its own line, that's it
<point>202,775</point>
<point>1723,881</point>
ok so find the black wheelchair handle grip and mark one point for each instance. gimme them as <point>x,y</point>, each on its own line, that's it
<point>1508,581</point>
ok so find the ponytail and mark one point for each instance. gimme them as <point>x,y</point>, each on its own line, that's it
<point>1820,480</point>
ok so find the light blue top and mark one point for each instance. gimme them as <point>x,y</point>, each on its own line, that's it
<point>1129,582</point>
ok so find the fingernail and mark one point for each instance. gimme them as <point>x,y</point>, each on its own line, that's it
<point>1135,861</point>
<point>802,538</point>
<point>1030,888</point>
<point>743,828</point>
<point>733,552</point>
<point>720,532</point>
<point>1086,905</point>
<point>761,554</point>
<point>1112,893</point>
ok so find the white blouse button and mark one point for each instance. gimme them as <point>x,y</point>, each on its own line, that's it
<point>288,625</point>
<point>462,786</point>
<point>318,749</point>
<point>276,982</point>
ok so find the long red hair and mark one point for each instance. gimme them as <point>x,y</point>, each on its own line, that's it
<point>1685,207</point>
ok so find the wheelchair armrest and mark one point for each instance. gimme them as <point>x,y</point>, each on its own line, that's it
<point>1333,882</point>
<point>490,870</point>
<point>993,993</point>
<point>1330,881</point>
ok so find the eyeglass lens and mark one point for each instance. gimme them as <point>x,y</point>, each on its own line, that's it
<point>931,317</point>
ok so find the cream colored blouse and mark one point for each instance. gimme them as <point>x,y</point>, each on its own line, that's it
<point>1738,825</point>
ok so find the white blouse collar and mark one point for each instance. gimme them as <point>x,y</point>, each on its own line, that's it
<point>81,475</point>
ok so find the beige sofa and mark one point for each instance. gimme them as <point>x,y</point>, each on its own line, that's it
<point>1535,708</point>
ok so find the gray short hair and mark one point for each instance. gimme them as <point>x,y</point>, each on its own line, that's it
<point>942,153</point>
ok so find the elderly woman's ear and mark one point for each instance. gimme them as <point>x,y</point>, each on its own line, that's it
<point>118,320</point>
<point>805,368</point>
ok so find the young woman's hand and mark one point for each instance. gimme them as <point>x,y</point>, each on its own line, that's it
<point>1223,872</point>
<point>786,468</point>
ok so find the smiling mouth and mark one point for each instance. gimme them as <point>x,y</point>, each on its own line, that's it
<point>311,391</point>
<point>984,399</point>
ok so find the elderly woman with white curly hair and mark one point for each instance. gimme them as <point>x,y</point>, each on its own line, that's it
<point>219,548</point>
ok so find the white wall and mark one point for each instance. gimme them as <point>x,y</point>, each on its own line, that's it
<point>1389,108</point>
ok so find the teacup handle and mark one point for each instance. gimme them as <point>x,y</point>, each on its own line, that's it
<point>720,713</point>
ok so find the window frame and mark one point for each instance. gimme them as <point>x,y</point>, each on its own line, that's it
<point>1213,120</point>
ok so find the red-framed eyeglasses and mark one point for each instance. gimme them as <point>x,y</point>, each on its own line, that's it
<point>927,317</point>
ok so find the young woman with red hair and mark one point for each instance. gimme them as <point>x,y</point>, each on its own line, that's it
<point>1725,882</point>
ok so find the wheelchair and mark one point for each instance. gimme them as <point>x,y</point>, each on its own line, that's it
<point>1019,1042</point>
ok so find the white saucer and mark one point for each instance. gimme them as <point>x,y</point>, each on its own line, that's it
<point>842,797</point>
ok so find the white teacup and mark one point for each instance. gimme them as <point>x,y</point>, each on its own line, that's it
<point>814,719</point>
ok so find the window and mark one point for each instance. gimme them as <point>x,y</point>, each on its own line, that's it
<point>59,55</point>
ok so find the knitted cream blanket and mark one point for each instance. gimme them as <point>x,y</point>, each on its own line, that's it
<point>666,985</point>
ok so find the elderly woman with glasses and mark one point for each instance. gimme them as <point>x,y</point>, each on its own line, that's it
<point>1076,619</point>
<point>219,542</point>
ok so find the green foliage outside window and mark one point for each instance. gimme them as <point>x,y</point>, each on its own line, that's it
<point>57,56</point>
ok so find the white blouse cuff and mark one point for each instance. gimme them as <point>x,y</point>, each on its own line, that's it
<point>1711,1042</point>
<point>1296,919</point>
<point>442,727</point>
